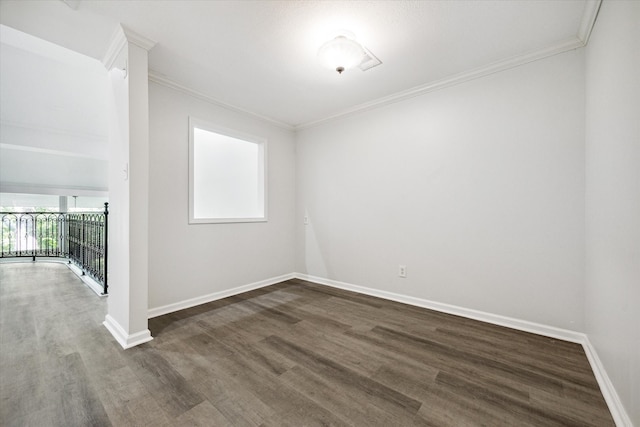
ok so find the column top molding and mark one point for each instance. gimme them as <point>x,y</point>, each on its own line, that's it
<point>120,38</point>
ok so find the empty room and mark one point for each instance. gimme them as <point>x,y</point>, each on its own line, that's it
<point>298,213</point>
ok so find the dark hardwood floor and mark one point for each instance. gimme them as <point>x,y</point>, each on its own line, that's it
<point>292,354</point>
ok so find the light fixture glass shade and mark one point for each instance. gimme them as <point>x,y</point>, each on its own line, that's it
<point>341,53</point>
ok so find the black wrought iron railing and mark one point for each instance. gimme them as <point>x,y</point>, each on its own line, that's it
<point>79,237</point>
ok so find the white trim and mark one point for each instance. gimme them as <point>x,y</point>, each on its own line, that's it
<point>263,185</point>
<point>564,46</point>
<point>121,36</point>
<point>616,408</point>
<point>580,40</point>
<point>181,305</point>
<point>591,9</point>
<point>124,339</point>
<point>117,43</point>
<point>496,319</point>
<point>91,284</point>
<point>609,393</point>
<point>162,80</point>
<point>29,259</point>
<point>138,39</point>
<point>453,80</point>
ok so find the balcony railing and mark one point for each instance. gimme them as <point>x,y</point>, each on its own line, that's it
<point>79,237</point>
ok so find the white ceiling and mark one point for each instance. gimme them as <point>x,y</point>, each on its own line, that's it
<point>260,56</point>
<point>53,99</point>
<point>53,118</point>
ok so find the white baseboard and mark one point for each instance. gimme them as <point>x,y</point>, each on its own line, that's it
<point>496,319</point>
<point>606,387</point>
<point>181,305</point>
<point>124,339</point>
<point>616,408</point>
<point>608,391</point>
<point>91,284</point>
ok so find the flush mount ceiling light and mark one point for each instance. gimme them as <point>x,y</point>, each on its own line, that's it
<point>341,53</point>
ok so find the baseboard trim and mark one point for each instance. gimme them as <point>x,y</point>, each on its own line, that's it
<point>509,322</point>
<point>614,403</point>
<point>124,339</point>
<point>609,393</point>
<point>616,408</point>
<point>88,281</point>
<point>181,305</point>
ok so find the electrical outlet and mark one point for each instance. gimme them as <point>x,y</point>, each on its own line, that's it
<point>402,271</point>
<point>306,220</point>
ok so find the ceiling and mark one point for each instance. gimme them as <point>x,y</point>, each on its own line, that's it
<point>53,119</point>
<point>261,56</point>
<point>52,98</point>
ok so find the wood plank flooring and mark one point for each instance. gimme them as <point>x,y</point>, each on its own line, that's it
<point>292,354</point>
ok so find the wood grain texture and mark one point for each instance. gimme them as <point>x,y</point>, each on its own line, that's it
<point>291,354</point>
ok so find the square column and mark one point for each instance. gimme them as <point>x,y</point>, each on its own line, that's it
<point>127,63</point>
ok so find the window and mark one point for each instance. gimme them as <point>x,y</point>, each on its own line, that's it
<point>227,175</point>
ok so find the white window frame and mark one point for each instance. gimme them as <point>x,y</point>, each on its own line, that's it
<point>262,142</point>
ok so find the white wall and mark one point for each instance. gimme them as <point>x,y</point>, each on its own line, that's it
<point>613,197</point>
<point>478,189</point>
<point>190,261</point>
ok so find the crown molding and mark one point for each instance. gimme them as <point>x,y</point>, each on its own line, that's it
<point>495,67</point>
<point>587,23</point>
<point>138,39</point>
<point>591,9</point>
<point>121,36</point>
<point>455,79</point>
<point>117,43</point>
<point>155,77</point>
